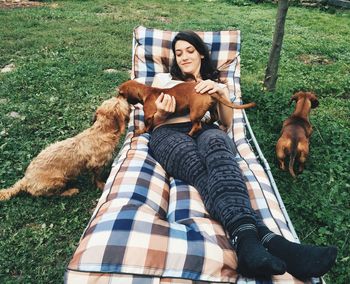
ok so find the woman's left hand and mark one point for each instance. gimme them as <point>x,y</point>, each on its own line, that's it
<point>207,86</point>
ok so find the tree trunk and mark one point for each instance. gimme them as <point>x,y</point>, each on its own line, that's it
<point>272,66</point>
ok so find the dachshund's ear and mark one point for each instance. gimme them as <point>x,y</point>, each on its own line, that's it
<point>314,102</point>
<point>293,98</point>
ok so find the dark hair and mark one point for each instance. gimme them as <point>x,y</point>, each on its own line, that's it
<point>207,70</point>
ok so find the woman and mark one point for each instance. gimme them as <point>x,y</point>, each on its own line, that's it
<point>207,161</point>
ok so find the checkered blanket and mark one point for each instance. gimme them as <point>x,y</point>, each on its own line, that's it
<point>151,228</point>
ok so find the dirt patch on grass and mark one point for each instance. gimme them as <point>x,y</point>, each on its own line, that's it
<point>10,4</point>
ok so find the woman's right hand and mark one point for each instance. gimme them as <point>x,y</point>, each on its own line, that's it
<point>166,105</point>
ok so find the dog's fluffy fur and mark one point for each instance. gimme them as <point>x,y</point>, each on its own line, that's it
<point>62,161</point>
<point>187,99</point>
<point>296,131</point>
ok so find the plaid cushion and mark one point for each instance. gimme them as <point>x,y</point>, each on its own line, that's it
<point>147,223</point>
<point>152,53</point>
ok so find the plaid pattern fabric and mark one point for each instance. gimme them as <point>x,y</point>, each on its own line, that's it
<point>151,228</point>
<point>152,53</point>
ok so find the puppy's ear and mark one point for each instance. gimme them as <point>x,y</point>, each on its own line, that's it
<point>94,117</point>
<point>314,102</point>
<point>293,98</point>
<point>122,90</point>
<point>313,99</point>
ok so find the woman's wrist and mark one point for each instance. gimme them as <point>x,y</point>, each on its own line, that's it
<point>159,118</point>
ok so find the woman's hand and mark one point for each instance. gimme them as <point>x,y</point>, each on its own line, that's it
<point>166,105</point>
<point>208,86</point>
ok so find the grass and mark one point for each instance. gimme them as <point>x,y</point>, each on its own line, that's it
<point>60,52</point>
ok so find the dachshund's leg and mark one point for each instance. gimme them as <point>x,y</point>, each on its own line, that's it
<point>149,110</point>
<point>144,129</point>
<point>140,131</point>
<point>281,153</point>
<point>148,125</point>
<point>213,115</point>
<point>281,164</point>
<point>301,167</point>
<point>303,149</point>
<point>196,126</point>
<point>197,111</point>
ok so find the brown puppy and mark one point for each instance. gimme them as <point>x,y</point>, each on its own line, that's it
<point>296,131</point>
<point>186,99</point>
<point>62,161</point>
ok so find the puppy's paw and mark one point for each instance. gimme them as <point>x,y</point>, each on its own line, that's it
<point>282,165</point>
<point>140,131</point>
<point>100,185</point>
<point>70,192</point>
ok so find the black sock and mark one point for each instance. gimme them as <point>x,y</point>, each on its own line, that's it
<point>303,261</point>
<point>253,258</point>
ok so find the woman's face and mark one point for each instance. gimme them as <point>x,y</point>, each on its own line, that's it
<point>188,58</point>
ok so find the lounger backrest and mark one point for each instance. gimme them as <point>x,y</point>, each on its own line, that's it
<point>152,54</point>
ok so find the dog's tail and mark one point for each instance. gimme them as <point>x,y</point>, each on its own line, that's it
<point>10,192</point>
<point>226,102</point>
<point>292,157</point>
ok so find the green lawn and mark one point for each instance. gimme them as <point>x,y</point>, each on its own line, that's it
<point>61,51</point>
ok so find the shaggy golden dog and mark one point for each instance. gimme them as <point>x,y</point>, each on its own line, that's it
<point>186,99</point>
<point>296,132</point>
<point>62,161</point>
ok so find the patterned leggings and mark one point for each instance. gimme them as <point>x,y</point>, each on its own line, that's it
<point>206,161</point>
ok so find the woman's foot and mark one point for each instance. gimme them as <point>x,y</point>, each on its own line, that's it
<point>303,261</point>
<point>253,258</point>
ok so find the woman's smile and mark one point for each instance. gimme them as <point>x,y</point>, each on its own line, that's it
<point>186,63</point>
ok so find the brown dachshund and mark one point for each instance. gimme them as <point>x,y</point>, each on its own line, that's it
<point>186,100</point>
<point>296,131</point>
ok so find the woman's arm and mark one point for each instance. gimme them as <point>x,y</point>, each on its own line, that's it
<point>225,113</point>
<point>165,104</point>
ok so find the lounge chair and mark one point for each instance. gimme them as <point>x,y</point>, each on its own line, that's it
<point>151,228</point>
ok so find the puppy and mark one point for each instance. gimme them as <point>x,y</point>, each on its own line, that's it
<point>187,99</point>
<point>296,131</point>
<point>62,161</point>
